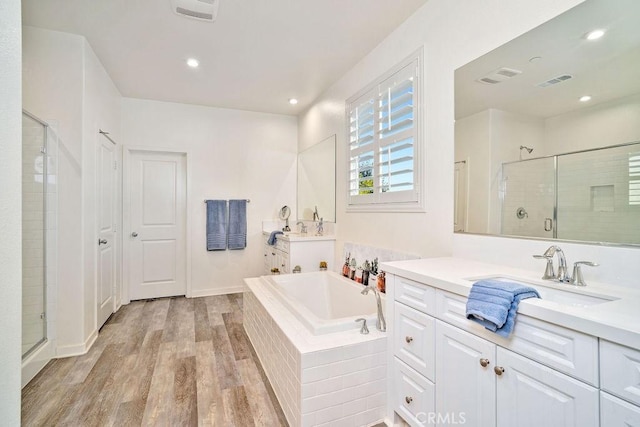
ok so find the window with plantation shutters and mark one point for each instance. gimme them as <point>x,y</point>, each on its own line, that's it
<point>634,179</point>
<point>384,140</point>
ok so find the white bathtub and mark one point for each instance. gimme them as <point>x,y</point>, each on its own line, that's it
<point>322,369</point>
<point>323,301</point>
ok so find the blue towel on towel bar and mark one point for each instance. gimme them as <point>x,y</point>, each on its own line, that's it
<point>237,224</point>
<point>216,225</point>
<point>494,303</point>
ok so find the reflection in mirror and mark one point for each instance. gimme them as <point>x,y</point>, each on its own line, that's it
<point>547,131</point>
<point>317,181</point>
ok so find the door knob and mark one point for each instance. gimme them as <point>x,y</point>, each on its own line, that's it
<point>484,362</point>
<point>102,241</point>
<point>408,399</point>
<point>408,339</point>
<point>134,234</point>
<point>499,370</point>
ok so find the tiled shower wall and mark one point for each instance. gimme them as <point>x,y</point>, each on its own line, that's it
<point>594,201</point>
<point>593,196</point>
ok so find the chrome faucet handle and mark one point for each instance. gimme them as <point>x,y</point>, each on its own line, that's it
<point>364,330</point>
<point>549,274</point>
<point>577,279</point>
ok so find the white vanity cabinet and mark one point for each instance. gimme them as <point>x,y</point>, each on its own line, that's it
<point>544,375</point>
<point>620,384</point>
<point>307,252</point>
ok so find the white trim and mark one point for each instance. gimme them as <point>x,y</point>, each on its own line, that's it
<point>77,349</point>
<point>126,208</point>
<point>36,361</point>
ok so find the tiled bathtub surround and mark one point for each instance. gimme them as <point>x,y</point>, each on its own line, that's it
<point>335,379</point>
<point>362,253</point>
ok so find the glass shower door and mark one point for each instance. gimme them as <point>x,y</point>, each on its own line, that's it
<point>34,176</point>
<point>528,198</point>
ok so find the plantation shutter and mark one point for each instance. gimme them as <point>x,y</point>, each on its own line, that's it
<point>634,179</point>
<point>382,141</point>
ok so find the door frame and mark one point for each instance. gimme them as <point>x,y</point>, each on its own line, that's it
<point>126,213</point>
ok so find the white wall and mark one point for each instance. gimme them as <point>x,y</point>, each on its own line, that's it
<point>453,32</point>
<point>232,154</point>
<point>10,211</point>
<point>66,85</point>
<point>101,110</point>
<point>473,145</point>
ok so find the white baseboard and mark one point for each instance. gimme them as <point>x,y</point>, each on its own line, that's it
<point>77,349</point>
<point>218,291</point>
<point>36,361</point>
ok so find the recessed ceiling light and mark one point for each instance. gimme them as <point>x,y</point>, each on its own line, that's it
<point>595,34</point>
<point>535,58</point>
<point>585,98</point>
<point>293,101</point>
<point>193,63</point>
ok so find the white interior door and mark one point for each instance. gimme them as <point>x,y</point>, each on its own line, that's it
<point>106,220</point>
<point>460,196</point>
<point>156,198</point>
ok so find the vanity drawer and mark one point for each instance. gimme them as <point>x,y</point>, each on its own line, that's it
<point>414,394</point>
<point>414,338</point>
<point>620,371</point>
<point>565,350</point>
<point>617,412</point>
<point>415,294</point>
<point>283,245</point>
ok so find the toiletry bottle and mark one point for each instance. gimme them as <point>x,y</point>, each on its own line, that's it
<point>381,282</point>
<point>345,267</point>
<point>365,273</point>
<point>352,269</point>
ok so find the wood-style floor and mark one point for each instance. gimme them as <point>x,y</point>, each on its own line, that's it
<point>164,362</point>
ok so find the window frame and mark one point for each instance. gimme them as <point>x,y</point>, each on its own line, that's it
<point>402,201</point>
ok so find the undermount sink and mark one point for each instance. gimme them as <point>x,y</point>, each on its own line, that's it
<point>570,297</point>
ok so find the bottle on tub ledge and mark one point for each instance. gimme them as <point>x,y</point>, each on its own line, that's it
<point>345,268</point>
<point>382,282</point>
<point>352,269</point>
<point>323,265</point>
<point>373,274</point>
<point>366,270</point>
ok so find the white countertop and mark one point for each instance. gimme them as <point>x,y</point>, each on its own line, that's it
<point>297,237</point>
<point>617,320</point>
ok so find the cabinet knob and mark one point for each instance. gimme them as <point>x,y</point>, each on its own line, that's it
<point>484,362</point>
<point>408,399</point>
<point>499,370</point>
<point>408,339</point>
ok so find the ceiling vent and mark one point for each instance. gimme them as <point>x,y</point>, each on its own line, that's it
<point>555,80</point>
<point>204,10</point>
<point>498,76</point>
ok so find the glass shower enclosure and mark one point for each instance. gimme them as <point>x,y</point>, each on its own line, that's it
<point>38,225</point>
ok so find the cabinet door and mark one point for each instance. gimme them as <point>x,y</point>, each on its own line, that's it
<point>530,394</point>
<point>616,412</point>
<point>465,389</point>
<point>414,340</point>
<point>282,261</point>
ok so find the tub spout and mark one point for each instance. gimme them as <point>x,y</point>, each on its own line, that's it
<point>381,324</point>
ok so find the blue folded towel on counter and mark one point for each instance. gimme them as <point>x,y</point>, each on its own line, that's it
<point>494,303</point>
<point>273,237</point>
<point>237,224</point>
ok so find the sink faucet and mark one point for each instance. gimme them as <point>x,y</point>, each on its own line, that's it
<point>303,227</point>
<point>316,217</point>
<point>563,274</point>
<point>381,324</point>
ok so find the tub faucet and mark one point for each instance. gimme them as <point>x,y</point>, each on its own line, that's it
<point>316,217</point>
<point>381,324</point>
<point>562,275</point>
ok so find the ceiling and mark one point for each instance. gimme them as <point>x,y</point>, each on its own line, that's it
<point>255,56</point>
<point>606,69</point>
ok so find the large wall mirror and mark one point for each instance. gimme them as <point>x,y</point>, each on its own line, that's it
<point>317,181</point>
<point>547,134</point>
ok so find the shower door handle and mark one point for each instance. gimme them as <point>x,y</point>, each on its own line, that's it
<point>102,242</point>
<point>548,224</point>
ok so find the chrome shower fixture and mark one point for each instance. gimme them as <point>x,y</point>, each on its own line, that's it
<point>524,147</point>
